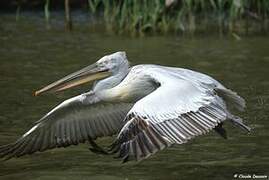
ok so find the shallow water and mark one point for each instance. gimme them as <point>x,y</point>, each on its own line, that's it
<point>32,56</point>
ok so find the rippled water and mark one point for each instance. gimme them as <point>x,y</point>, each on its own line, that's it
<point>32,56</point>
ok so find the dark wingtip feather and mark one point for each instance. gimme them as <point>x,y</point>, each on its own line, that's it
<point>6,152</point>
<point>97,149</point>
<point>238,122</point>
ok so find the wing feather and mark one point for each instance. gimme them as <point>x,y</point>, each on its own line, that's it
<point>174,113</point>
<point>74,121</point>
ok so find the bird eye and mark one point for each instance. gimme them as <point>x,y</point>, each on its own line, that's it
<point>104,62</point>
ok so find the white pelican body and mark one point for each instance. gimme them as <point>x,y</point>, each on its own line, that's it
<point>149,107</point>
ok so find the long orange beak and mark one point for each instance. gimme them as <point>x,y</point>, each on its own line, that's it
<point>87,74</point>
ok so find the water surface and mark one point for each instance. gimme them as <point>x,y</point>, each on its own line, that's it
<point>32,56</point>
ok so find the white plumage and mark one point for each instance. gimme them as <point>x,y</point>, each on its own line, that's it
<point>149,107</point>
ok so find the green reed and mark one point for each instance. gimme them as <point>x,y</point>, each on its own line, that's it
<point>47,13</point>
<point>185,16</point>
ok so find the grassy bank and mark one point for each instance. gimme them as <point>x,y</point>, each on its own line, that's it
<point>183,16</point>
<point>140,17</point>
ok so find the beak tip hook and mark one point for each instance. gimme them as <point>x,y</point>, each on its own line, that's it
<point>36,93</point>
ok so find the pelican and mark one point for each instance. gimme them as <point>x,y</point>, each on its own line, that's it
<point>148,107</point>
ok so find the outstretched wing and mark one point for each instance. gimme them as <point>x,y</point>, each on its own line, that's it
<point>74,121</point>
<point>174,113</point>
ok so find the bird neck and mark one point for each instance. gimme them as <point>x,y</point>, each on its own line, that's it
<point>111,81</point>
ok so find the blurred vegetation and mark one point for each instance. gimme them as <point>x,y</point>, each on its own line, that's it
<point>235,17</point>
<point>183,16</point>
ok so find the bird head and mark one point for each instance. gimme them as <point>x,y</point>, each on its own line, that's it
<point>103,68</point>
<point>114,62</point>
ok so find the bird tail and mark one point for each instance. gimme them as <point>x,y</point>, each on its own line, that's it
<point>232,98</point>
